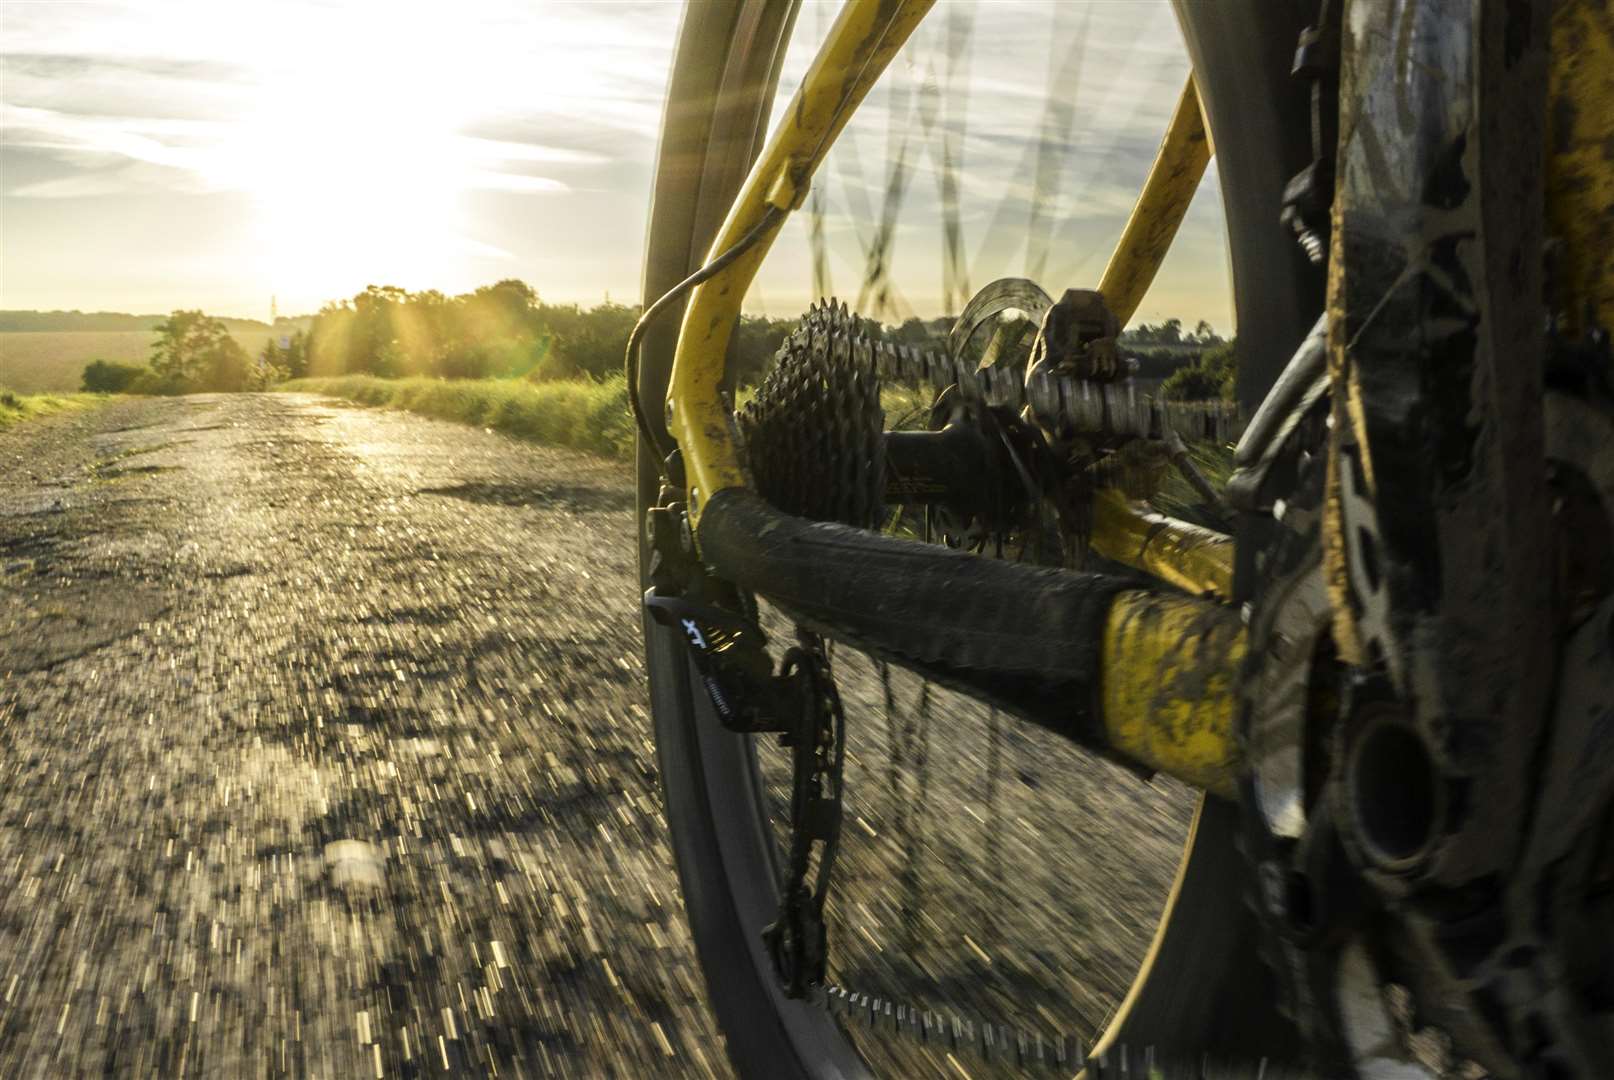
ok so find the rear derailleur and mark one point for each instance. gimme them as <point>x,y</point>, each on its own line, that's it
<point>798,703</point>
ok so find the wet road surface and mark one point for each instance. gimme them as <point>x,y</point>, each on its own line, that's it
<point>323,751</point>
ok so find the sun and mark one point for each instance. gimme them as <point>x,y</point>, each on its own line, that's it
<point>354,163</point>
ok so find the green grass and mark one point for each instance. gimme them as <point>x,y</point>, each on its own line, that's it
<point>18,407</point>
<point>577,413</point>
<point>52,361</point>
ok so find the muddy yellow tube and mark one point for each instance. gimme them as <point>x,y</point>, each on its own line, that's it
<point>1580,181</point>
<point>1194,559</point>
<point>1168,686</point>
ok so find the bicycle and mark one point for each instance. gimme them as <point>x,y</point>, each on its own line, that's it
<point>1392,679</point>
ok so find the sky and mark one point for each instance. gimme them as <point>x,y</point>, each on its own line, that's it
<point>171,153</point>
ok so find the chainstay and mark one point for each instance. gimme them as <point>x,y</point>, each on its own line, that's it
<point>1116,407</point>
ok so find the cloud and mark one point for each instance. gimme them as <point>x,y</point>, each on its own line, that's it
<point>136,177</point>
<point>443,116</point>
<point>508,150</point>
<point>72,187</point>
<point>183,83</point>
<point>468,245</point>
<point>97,141</point>
<point>194,155</point>
<point>517,183</point>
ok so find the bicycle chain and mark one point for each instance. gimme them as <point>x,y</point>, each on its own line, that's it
<point>798,940</point>
<point>952,1032</point>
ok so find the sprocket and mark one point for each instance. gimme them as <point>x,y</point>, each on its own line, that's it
<point>814,430</point>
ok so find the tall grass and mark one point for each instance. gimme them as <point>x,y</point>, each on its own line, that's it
<point>582,413</point>
<point>579,413</point>
<point>15,407</point>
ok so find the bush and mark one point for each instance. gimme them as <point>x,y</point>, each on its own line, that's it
<point>110,377</point>
<point>150,383</point>
<point>1210,377</point>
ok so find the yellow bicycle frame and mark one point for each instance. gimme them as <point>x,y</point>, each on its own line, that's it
<point>864,38</point>
<point>1163,710</point>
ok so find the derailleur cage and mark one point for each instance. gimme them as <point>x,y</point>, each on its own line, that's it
<point>798,940</point>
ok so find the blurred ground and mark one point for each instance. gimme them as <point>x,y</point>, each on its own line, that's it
<point>323,751</point>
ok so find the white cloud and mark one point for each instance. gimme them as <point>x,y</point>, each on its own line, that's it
<point>518,183</point>
<point>177,84</point>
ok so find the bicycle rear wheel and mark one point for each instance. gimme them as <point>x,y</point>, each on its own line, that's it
<point>722,89</point>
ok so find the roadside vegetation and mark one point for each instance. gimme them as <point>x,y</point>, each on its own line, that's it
<point>580,413</point>
<point>1210,376</point>
<point>500,331</point>
<point>52,361</point>
<point>44,352</point>
<point>503,359</point>
<point>584,414</point>
<point>17,407</point>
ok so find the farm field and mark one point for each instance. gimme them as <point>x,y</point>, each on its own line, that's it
<point>52,361</point>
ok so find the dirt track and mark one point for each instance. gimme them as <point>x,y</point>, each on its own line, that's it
<point>323,751</point>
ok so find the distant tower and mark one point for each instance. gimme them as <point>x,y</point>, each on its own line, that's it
<point>274,311</point>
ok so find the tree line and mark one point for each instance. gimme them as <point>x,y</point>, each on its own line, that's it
<point>503,330</point>
<point>12,321</point>
<point>1170,334</point>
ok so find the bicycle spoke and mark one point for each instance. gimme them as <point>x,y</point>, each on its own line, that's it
<point>1056,139</point>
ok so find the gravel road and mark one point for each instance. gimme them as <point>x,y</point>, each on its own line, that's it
<point>323,751</point>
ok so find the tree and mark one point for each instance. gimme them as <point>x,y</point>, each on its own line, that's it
<point>755,342</point>
<point>375,330</point>
<point>505,309</point>
<point>594,341</point>
<point>194,352</point>
<point>294,357</point>
<point>329,346</point>
<point>913,332</point>
<point>274,362</point>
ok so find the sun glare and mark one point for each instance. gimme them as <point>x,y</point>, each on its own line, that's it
<point>355,163</point>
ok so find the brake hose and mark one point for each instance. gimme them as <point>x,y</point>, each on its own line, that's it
<point>770,217</point>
